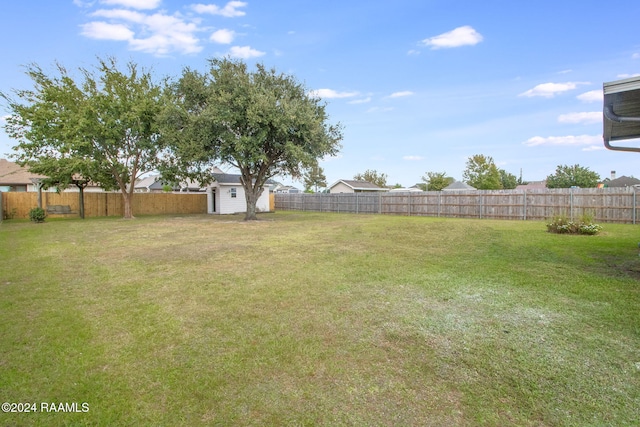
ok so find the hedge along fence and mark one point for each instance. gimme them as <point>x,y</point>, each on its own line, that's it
<point>605,204</point>
<point>18,204</point>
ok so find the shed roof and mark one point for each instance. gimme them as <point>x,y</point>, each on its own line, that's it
<point>621,111</point>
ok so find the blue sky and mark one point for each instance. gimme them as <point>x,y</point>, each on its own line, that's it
<point>419,86</point>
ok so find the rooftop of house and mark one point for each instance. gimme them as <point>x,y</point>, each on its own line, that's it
<point>358,185</point>
<point>12,173</point>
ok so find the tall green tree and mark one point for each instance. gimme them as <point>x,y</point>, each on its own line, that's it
<point>261,122</point>
<point>482,173</point>
<point>314,178</point>
<point>572,176</point>
<point>372,176</point>
<point>102,128</point>
<point>508,180</point>
<point>436,181</point>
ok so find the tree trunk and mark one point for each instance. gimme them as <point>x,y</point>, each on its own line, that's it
<point>128,209</point>
<point>81,195</point>
<point>251,197</point>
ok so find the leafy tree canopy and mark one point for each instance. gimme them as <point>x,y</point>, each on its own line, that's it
<point>508,180</point>
<point>482,173</point>
<point>261,122</point>
<point>572,176</point>
<point>436,181</point>
<point>314,178</point>
<point>372,176</point>
<point>101,129</point>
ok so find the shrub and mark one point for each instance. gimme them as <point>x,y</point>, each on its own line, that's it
<point>562,225</point>
<point>37,215</point>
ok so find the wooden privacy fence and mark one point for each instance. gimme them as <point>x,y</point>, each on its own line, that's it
<point>18,204</point>
<point>604,204</point>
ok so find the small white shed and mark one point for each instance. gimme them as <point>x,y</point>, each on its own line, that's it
<point>226,196</point>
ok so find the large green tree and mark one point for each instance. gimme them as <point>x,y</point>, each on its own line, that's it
<point>508,180</point>
<point>436,181</point>
<point>572,176</point>
<point>314,178</point>
<point>100,128</point>
<point>261,122</point>
<point>372,176</point>
<point>482,173</point>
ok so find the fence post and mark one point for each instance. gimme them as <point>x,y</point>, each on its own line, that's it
<point>409,204</point>
<point>357,203</point>
<point>571,203</point>
<point>524,205</point>
<point>439,201</point>
<point>480,206</point>
<point>634,205</point>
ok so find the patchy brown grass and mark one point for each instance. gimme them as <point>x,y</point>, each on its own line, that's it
<point>319,319</point>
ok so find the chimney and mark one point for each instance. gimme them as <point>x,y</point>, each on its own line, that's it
<point>613,175</point>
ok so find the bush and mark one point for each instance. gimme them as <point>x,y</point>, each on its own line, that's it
<point>37,215</point>
<point>562,225</point>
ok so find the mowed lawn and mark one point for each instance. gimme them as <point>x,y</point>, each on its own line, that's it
<point>319,319</point>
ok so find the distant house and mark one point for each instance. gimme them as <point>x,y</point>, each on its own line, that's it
<point>226,195</point>
<point>149,184</point>
<point>14,177</point>
<point>458,186</point>
<point>533,185</point>
<point>623,181</point>
<point>286,189</point>
<point>406,190</point>
<point>350,186</point>
<point>155,184</point>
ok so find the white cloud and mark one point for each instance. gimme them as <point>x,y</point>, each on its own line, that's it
<point>164,33</point>
<point>412,158</point>
<point>591,96</point>
<point>134,4</point>
<point>121,14</point>
<point>594,147</point>
<point>222,36</point>
<point>570,140</point>
<point>81,3</point>
<point>230,10</point>
<point>244,52</point>
<point>161,33</point>
<point>627,76</point>
<point>413,52</point>
<point>549,90</point>
<point>379,109</point>
<point>361,101</point>
<point>586,117</point>
<point>461,36</point>
<point>105,31</point>
<point>401,94</point>
<point>635,56</point>
<point>330,93</point>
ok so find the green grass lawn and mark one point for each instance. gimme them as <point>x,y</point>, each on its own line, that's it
<point>319,319</point>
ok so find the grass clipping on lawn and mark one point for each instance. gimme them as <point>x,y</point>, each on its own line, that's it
<point>319,319</point>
